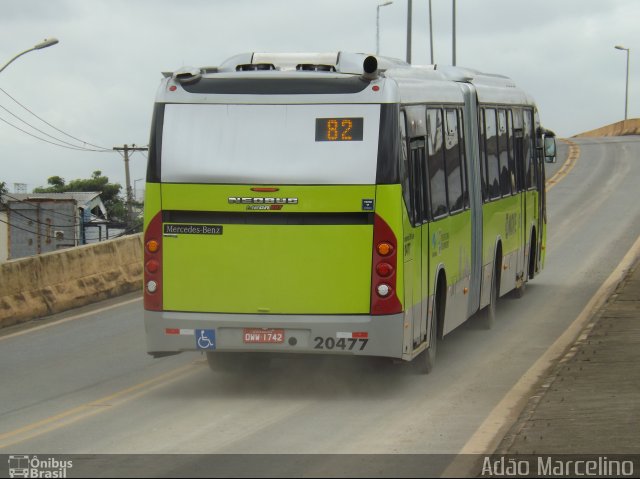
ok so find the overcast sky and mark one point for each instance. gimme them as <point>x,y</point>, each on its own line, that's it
<point>99,83</point>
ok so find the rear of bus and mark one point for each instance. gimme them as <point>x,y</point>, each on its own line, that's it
<point>273,215</point>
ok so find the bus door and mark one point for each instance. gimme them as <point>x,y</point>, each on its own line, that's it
<point>542,200</point>
<point>531,199</point>
<point>418,167</point>
<point>520,190</point>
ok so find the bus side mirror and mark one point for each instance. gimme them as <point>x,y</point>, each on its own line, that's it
<point>550,149</point>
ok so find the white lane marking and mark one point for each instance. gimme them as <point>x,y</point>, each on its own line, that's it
<point>71,318</point>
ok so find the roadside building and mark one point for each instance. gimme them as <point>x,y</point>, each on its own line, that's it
<point>37,223</point>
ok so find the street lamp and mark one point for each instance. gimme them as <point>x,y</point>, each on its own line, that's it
<point>378,24</point>
<point>626,90</point>
<point>43,44</point>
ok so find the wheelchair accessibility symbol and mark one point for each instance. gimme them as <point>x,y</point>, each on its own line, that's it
<point>206,338</point>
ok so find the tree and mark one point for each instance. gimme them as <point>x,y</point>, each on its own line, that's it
<point>109,192</point>
<point>3,191</point>
<point>57,185</point>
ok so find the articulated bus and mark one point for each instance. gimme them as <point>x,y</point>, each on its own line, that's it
<point>336,204</point>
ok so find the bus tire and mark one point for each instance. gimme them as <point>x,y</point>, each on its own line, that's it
<point>430,353</point>
<point>533,252</point>
<point>489,314</point>
<point>426,361</point>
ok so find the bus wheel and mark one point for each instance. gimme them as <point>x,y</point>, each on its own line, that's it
<point>426,361</point>
<point>489,313</point>
<point>430,353</point>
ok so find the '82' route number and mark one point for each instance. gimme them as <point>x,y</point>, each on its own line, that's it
<point>344,344</point>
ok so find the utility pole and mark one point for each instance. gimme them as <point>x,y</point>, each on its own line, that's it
<point>409,11</point>
<point>126,149</point>
<point>431,33</point>
<point>454,32</point>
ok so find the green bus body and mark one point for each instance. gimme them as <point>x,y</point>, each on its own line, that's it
<point>377,238</point>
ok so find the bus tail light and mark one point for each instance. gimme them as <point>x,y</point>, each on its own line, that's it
<point>383,290</point>
<point>384,248</point>
<point>153,264</point>
<point>384,299</point>
<point>384,269</point>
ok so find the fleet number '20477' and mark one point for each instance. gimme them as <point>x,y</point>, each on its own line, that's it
<point>345,344</point>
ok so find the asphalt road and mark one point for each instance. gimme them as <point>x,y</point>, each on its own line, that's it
<point>86,385</point>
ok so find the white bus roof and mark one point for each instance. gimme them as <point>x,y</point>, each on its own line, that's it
<point>397,81</point>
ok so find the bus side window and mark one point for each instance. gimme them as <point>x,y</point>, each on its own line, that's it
<point>435,162</point>
<point>518,145</point>
<point>465,174</point>
<point>529,149</point>
<point>404,165</point>
<point>503,154</point>
<point>483,157</point>
<point>453,165</point>
<point>418,174</point>
<point>512,160</point>
<point>493,166</point>
<point>519,159</point>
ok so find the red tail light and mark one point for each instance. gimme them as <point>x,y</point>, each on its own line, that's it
<point>153,264</point>
<point>384,269</point>
<point>384,299</point>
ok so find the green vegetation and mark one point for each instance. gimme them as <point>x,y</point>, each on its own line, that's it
<point>3,191</point>
<point>109,192</point>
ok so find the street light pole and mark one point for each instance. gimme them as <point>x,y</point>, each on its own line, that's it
<point>626,89</point>
<point>453,15</point>
<point>378,24</point>
<point>431,33</point>
<point>409,22</point>
<point>43,44</point>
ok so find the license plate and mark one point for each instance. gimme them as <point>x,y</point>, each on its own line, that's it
<point>262,336</point>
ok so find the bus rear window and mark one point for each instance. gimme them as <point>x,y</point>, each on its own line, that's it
<point>269,144</point>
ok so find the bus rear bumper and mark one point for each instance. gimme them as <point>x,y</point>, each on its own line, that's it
<point>174,332</point>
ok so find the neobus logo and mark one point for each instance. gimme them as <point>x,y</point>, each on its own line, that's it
<point>238,200</point>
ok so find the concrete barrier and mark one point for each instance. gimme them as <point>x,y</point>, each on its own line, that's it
<point>621,128</point>
<point>50,283</point>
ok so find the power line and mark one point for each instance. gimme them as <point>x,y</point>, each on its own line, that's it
<point>36,205</point>
<point>123,233</point>
<point>52,126</point>
<point>51,142</point>
<point>44,132</point>
<point>127,231</point>
<point>28,231</point>
<point>13,211</point>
